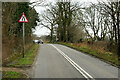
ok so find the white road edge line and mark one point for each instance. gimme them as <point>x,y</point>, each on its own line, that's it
<point>76,66</point>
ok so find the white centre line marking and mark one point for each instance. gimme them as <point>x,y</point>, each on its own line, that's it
<point>76,66</point>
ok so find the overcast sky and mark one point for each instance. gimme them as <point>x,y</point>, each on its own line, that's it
<point>41,30</point>
<point>44,31</point>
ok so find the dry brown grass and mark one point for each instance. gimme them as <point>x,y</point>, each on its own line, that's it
<point>8,52</point>
<point>100,46</point>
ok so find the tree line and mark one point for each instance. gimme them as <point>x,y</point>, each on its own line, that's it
<point>12,29</point>
<point>73,22</point>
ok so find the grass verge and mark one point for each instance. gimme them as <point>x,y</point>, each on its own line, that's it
<point>107,57</point>
<point>11,74</point>
<point>28,59</point>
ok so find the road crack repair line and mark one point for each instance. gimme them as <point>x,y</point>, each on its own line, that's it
<point>75,65</point>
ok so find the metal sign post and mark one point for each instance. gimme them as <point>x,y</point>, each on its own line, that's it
<point>24,20</point>
<point>23,38</point>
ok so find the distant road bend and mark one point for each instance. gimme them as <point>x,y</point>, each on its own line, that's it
<point>58,61</point>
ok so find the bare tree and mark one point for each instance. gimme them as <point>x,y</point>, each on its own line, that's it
<point>48,21</point>
<point>92,21</point>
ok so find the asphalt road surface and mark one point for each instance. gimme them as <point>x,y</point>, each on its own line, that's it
<point>58,61</point>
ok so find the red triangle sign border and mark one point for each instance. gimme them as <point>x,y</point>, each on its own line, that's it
<point>25,18</point>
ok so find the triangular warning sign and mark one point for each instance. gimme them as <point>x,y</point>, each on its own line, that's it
<point>23,19</point>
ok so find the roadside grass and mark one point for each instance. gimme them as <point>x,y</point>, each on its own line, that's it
<point>28,58</point>
<point>11,74</point>
<point>15,56</point>
<point>95,51</point>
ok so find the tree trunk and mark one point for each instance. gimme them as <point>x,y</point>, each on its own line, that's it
<point>51,39</point>
<point>118,15</point>
<point>114,26</point>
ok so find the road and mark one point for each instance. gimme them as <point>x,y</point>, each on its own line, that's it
<point>58,61</point>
